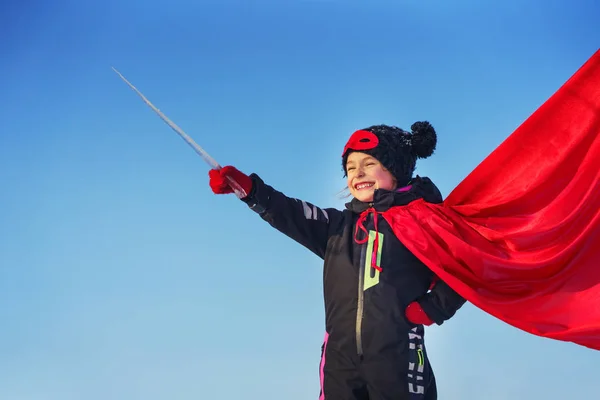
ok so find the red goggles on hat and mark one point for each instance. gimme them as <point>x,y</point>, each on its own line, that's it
<point>361,140</point>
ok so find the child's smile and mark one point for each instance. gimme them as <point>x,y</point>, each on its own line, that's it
<point>364,185</point>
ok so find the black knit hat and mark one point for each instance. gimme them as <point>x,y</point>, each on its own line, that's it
<point>397,150</point>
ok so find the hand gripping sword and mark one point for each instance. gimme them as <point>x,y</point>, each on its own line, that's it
<point>237,188</point>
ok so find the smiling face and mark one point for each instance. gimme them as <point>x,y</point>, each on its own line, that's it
<point>365,174</point>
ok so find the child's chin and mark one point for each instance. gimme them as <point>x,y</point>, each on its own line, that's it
<point>365,197</point>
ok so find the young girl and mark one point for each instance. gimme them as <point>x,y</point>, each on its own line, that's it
<point>378,295</point>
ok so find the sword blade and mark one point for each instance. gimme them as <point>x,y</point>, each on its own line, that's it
<point>237,188</point>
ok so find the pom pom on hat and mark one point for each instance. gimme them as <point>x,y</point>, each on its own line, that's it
<point>423,139</point>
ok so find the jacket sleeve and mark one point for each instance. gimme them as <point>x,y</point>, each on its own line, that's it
<point>441,302</point>
<point>303,222</point>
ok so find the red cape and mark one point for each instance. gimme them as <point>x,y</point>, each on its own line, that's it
<point>520,236</point>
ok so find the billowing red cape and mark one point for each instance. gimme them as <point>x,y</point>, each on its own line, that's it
<point>520,236</point>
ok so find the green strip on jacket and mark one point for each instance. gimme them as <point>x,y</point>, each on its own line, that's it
<point>371,274</point>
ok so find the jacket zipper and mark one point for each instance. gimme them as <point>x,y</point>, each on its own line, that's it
<point>360,305</point>
<point>361,299</point>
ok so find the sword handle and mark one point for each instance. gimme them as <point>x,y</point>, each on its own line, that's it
<point>237,188</point>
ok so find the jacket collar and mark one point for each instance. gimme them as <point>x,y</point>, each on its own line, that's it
<point>419,188</point>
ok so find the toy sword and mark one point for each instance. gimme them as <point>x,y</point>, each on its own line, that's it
<point>237,188</point>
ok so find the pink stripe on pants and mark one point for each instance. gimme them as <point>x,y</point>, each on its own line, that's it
<point>322,397</point>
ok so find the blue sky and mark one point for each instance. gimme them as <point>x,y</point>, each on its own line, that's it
<point>123,277</point>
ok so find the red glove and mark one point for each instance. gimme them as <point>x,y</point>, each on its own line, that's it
<point>416,315</point>
<point>220,184</point>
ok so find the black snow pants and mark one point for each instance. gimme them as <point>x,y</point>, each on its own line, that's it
<point>399,374</point>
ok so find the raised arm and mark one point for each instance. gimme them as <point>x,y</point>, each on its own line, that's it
<point>304,222</point>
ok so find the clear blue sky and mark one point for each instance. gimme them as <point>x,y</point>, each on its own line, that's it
<point>123,277</point>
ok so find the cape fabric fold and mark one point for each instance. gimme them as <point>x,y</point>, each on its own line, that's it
<point>520,236</point>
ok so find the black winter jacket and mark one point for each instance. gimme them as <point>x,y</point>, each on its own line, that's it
<point>364,307</point>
